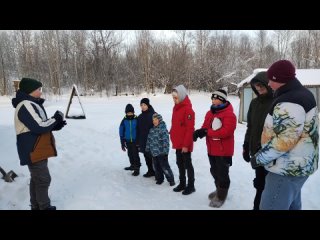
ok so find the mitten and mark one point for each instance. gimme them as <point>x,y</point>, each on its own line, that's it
<point>202,132</point>
<point>58,116</point>
<point>123,145</point>
<point>195,135</point>
<point>59,125</point>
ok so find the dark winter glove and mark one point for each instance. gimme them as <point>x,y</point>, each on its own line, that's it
<point>254,163</point>
<point>195,135</point>
<point>58,116</point>
<point>202,132</point>
<point>245,152</point>
<point>59,125</point>
<point>123,145</point>
<point>199,133</point>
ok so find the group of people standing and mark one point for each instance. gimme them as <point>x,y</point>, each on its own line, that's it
<point>147,133</point>
<point>281,141</point>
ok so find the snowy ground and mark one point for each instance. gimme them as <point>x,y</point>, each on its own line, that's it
<point>88,172</point>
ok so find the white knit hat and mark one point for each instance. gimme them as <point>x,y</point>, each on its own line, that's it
<point>220,94</point>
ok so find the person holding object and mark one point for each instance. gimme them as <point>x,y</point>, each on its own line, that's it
<point>35,141</point>
<point>257,113</point>
<point>218,127</point>
<point>289,141</point>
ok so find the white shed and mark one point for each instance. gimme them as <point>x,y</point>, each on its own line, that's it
<point>309,78</point>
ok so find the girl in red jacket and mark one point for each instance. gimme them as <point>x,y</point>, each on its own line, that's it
<point>218,127</point>
<point>182,128</point>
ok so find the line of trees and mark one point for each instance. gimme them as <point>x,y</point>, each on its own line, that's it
<point>105,62</point>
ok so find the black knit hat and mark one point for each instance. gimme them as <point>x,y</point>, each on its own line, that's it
<point>220,94</point>
<point>146,101</point>
<point>28,85</point>
<point>129,108</point>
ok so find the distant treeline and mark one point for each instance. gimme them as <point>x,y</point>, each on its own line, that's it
<point>106,62</point>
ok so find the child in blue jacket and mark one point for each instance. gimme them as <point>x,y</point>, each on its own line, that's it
<point>128,137</point>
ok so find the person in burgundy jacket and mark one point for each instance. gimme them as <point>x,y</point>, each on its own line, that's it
<point>218,127</point>
<point>182,128</point>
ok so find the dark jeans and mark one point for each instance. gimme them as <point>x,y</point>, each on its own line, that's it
<point>184,163</point>
<point>133,155</point>
<point>259,183</point>
<point>39,184</point>
<point>220,170</point>
<point>162,167</point>
<point>148,159</point>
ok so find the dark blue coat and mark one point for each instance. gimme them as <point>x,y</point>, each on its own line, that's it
<point>128,129</point>
<point>144,125</point>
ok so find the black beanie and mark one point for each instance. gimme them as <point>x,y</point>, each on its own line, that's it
<point>129,108</point>
<point>146,101</point>
<point>28,85</point>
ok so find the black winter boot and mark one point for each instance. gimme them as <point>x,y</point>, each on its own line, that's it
<point>136,173</point>
<point>189,189</point>
<point>129,168</point>
<point>149,174</point>
<point>180,187</point>
<point>51,208</point>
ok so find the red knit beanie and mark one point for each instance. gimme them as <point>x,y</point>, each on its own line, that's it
<point>281,71</point>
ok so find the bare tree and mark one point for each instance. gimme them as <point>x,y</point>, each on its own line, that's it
<point>283,40</point>
<point>144,47</point>
<point>3,67</point>
<point>52,50</point>
<point>23,39</point>
<point>261,43</point>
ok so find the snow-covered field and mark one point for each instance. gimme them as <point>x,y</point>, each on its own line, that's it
<point>88,172</point>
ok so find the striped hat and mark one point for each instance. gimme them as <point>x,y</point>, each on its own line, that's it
<point>220,94</point>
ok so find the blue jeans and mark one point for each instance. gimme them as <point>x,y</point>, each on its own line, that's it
<point>282,192</point>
